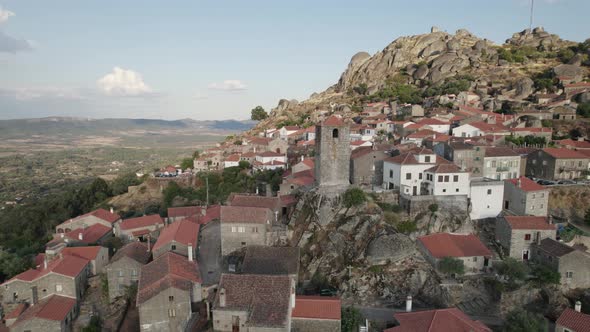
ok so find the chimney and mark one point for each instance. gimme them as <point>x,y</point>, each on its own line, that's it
<point>292,297</point>
<point>518,182</point>
<point>149,241</point>
<point>203,211</point>
<point>409,303</point>
<point>578,306</point>
<point>222,298</point>
<point>550,219</point>
<point>538,238</point>
<point>302,157</point>
<point>80,236</point>
<point>45,263</point>
<point>112,211</point>
<point>190,252</point>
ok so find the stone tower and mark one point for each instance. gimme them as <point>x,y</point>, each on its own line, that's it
<point>332,159</point>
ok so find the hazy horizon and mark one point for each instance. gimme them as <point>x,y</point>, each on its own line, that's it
<point>216,61</point>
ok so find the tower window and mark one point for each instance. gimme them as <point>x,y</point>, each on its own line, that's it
<point>335,133</point>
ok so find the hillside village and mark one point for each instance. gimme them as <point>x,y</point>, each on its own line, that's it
<point>421,185</point>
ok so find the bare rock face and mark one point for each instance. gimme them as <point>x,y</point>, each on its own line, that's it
<point>538,38</point>
<point>523,88</point>
<point>447,54</point>
<point>573,71</point>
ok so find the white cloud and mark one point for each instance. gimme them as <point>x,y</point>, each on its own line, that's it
<point>228,85</point>
<point>123,83</point>
<point>42,92</point>
<point>5,14</point>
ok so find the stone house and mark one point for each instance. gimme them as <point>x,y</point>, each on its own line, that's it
<point>557,164</point>
<point>304,165</point>
<point>564,112</point>
<point>523,196</point>
<point>265,305</point>
<point>501,163</point>
<point>242,226</point>
<point>475,129</point>
<point>97,256</point>
<point>580,144</point>
<point>299,181</point>
<point>54,313</point>
<point>168,288</point>
<point>179,237</point>
<point>532,131</point>
<point>96,234</point>
<point>261,144</point>
<point>125,266</point>
<point>573,320</point>
<point>476,257</point>
<point>316,313</point>
<point>517,234</point>
<point>64,276</point>
<point>485,198</point>
<point>573,265</point>
<point>450,319</point>
<point>366,166</point>
<point>100,216</point>
<point>463,154</point>
<point>140,227</point>
<point>179,213</point>
<point>405,172</point>
<point>445,180</point>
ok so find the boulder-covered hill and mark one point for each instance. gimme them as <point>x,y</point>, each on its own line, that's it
<point>428,60</point>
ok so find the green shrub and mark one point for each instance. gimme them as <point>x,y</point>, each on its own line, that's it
<point>451,265</point>
<point>354,197</point>
<point>407,227</point>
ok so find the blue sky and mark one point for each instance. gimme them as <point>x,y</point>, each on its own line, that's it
<point>219,59</point>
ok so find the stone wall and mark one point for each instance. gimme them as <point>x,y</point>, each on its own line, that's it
<point>332,160</point>
<point>46,286</point>
<point>416,204</point>
<point>168,311</point>
<point>116,282</point>
<point>231,241</point>
<point>313,325</point>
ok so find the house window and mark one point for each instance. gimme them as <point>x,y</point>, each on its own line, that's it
<point>427,159</point>
<point>542,195</point>
<point>234,229</point>
<point>444,190</point>
<point>440,178</point>
<point>241,229</point>
<point>173,247</point>
<point>475,259</point>
<point>534,161</point>
<point>121,273</point>
<point>533,195</point>
<point>532,207</point>
<point>335,133</point>
<point>171,313</point>
<point>527,237</point>
<point>446,178</point>
<point>544,162</point>
<point>489,191</point>
<point>420,176</point>
<point>243,243</point>
<point>494,163</point>
<point>134,273</point>
<point>408,176</point>
<point>254,229</point>
<point>391,173</point>
<point>170,298</point>
<point>455,178</point>
<point>58,288</point>
<point>457,190</point>
<point>569,274</point>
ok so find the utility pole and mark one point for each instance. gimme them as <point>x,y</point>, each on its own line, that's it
<point>531,18</point>
<point>207,183</point>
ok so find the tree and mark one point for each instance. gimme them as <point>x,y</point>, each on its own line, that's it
<point>351,319</point>
<point>587,217</point>
<point>258,113</point>
<point>583,110</point>
<point>546,275</point>
<point>361,89</point>
<point>512,269</point>
<point>121,184</point>
<point>243,164</point>
<point>196,154</point>
<point>524,321</point>
<point>354,197</point>
<point>451,265</point>
<point>94,325</point>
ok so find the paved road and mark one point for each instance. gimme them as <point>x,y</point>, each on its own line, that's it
<point>209,255</point>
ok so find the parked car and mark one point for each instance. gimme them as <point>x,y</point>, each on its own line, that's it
<point>566,182</point>
<point>545,182</point>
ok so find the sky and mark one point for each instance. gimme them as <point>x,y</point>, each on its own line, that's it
<point>215,60</point>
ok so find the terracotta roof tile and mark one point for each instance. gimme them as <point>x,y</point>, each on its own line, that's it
<point>140,222</point>
<point>529,222</point>
<point>563,153</point>
<point>575,321</point>
<point>317,307</point>
<point>167,270</point>
<point>89,253</point>
<point>54,308</point>
<point>273,203</point>
<point>70,266</point>
<point>575,144</point>
<point>241,214</point>
<point>445,168</point>
<point>500,152</point>
<point>454,245</point>
<point>266,298</point>
<point>440,320</point>
<point>137,251</point>
<point>526,184</point>
<point>184,231</point>
<point>184,211</point>
<point>99,213</point>
<point>333,121</point>
<point>89,234</point>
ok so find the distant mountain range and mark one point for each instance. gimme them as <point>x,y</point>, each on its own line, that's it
<point>73,125</point>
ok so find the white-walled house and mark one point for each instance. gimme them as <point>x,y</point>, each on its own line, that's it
<point>485,197</point>
<point>405,172</point>
<point>476,129</point>
<point>501,163</point>
<point>231,161</point>
<point>270,161</point>
<point>288,130</point>
<point>446,180</point>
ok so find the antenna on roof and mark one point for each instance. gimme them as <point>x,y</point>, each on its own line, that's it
<point>531,18</point>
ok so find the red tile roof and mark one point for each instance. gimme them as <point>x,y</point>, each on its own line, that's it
<point>137,251</point>
<point>488,127</point>
<point>563,153</point>
<point>309,162</point>
<point>333,121</point>
<point>89,234</point>
<point>273,203</point>
<point>70,266</point>
<point>454,245</point>
<point>422,134</point>
<point>432,121</point>
<point>445,168</point>
<point>89,253</point>
<point>241,214</point>
<point>529,222</point>
<point>270,154</point>
<point>140,222</point>
<point>17,311</point>
<point>440,320</point>
<point>575,144</point>
<point>577,85</point>
<point>409,158</point>
<point>573,320</point>
<point>99,213</point>
<point>288,200</point>
<point>526,184</point>
<point>500,152</point>
<point>184,211</point>
<point>185,231</point>
<point>233,157</point>
<point>317,307</point>
<point>302,181</point>
<point>167,270</point>
<point>54,308</point>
